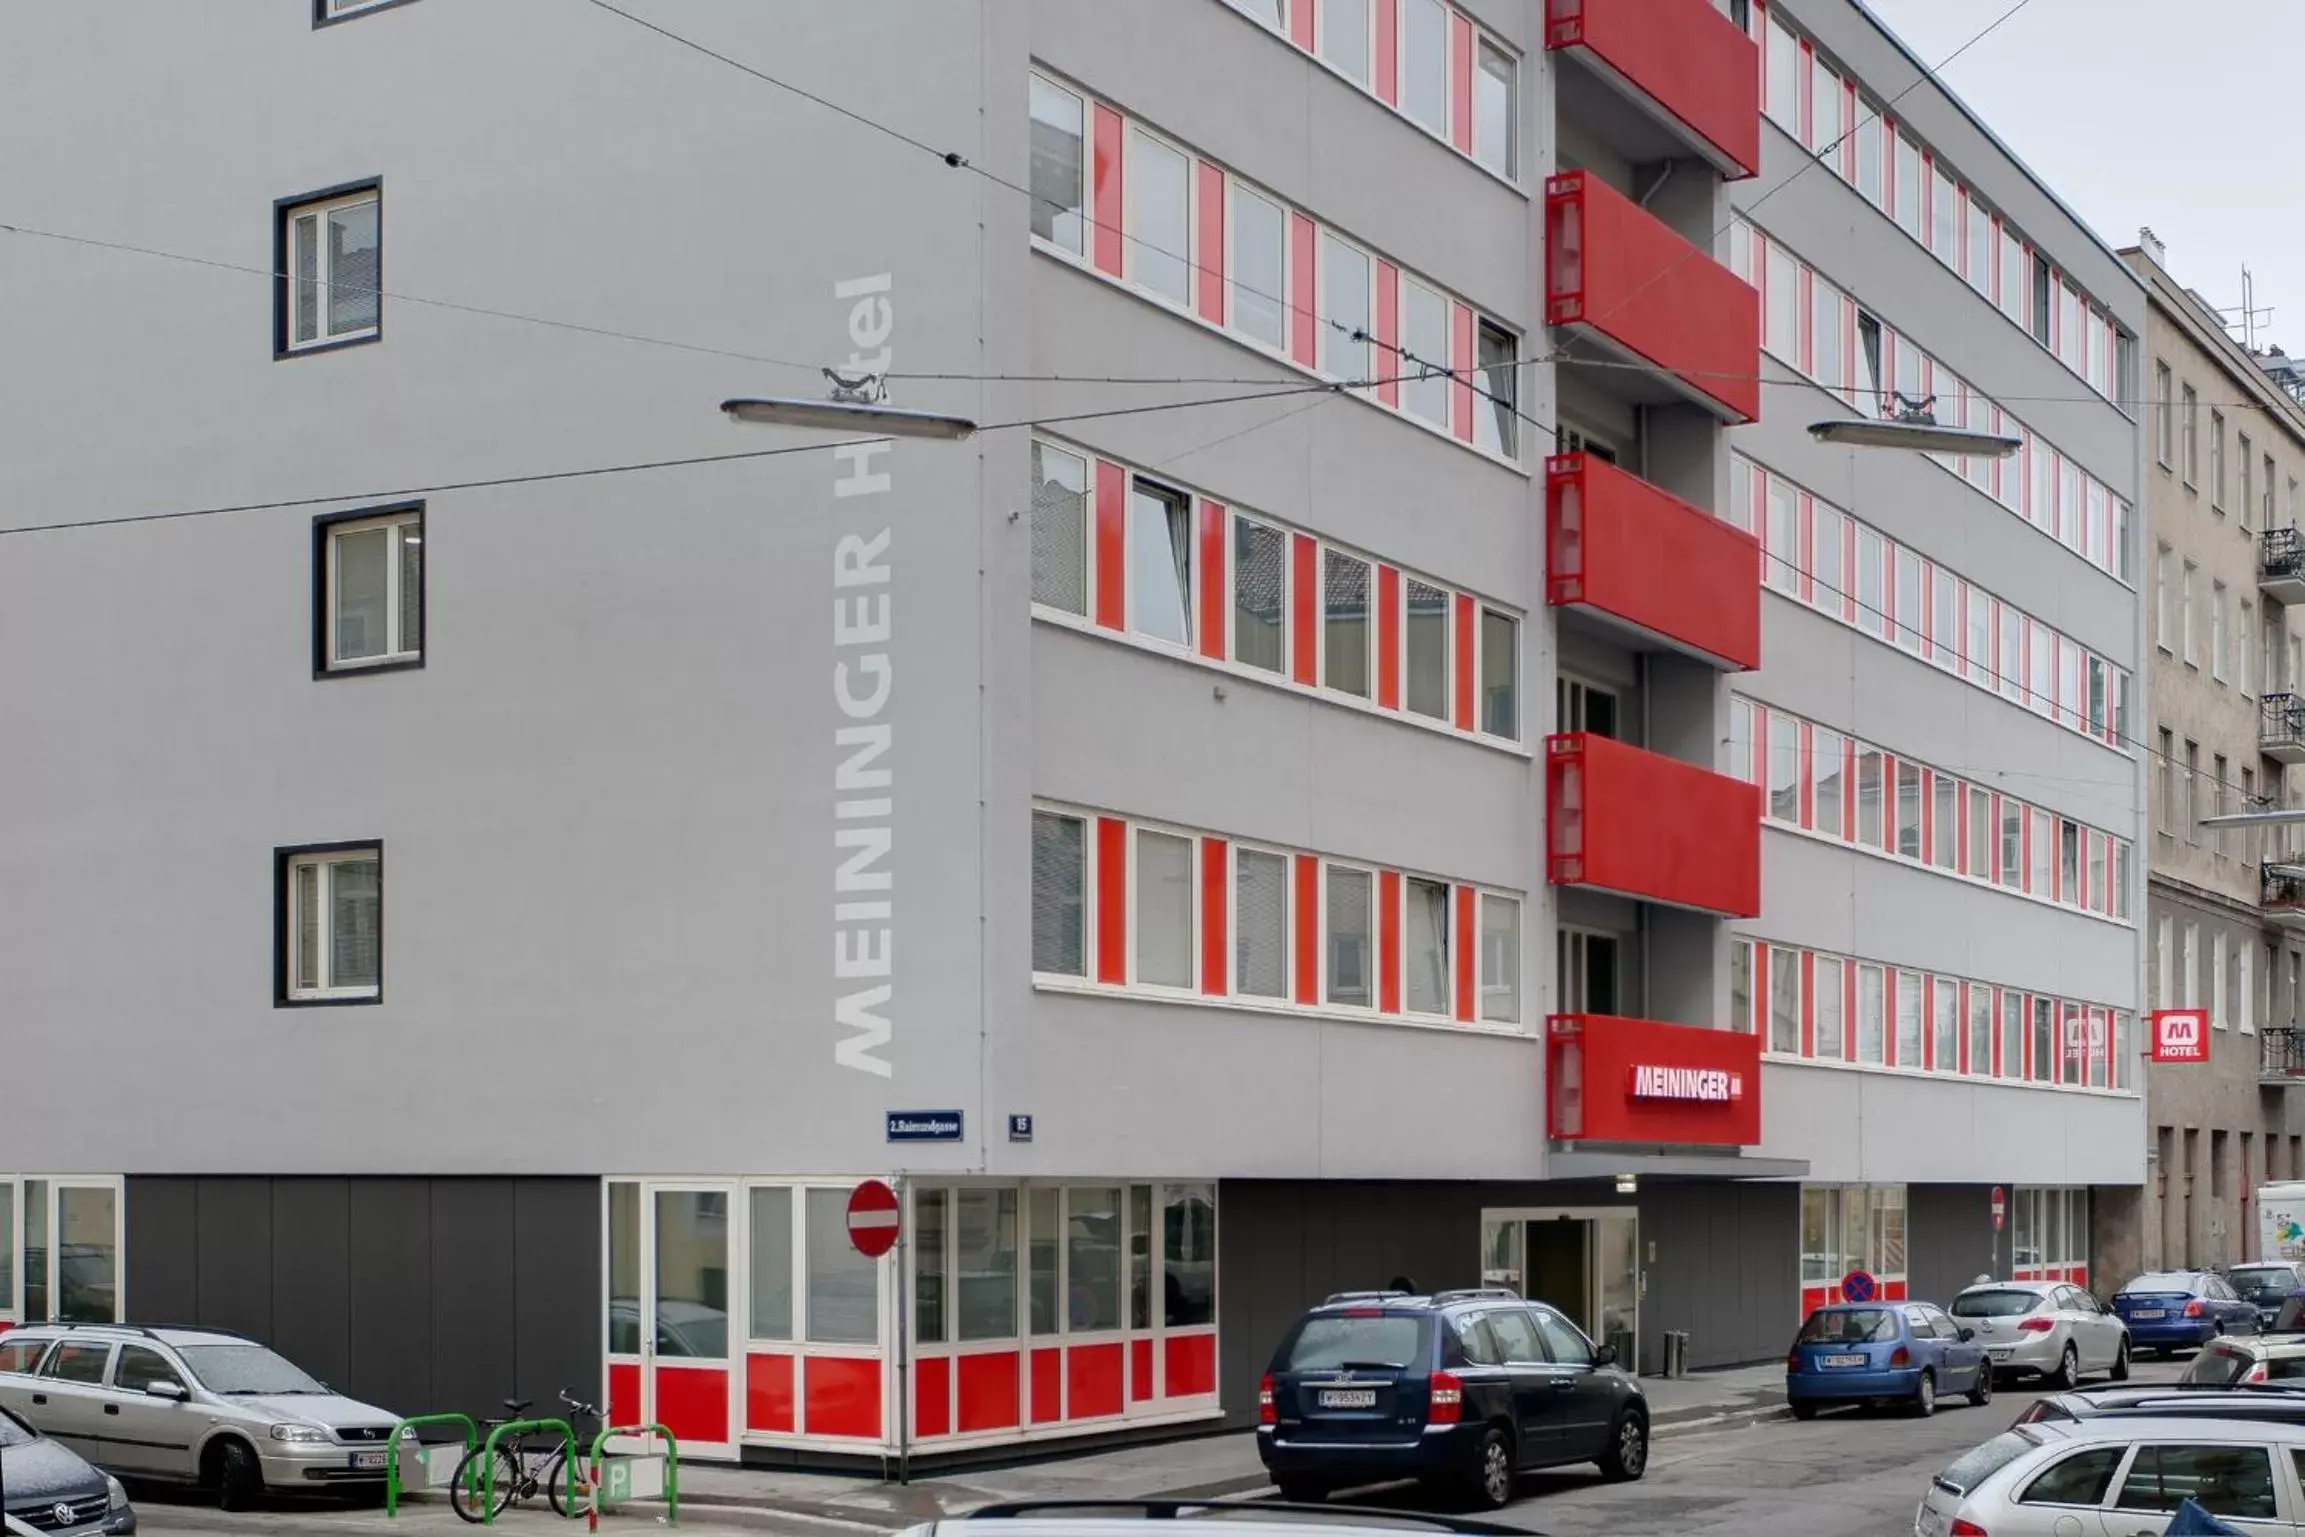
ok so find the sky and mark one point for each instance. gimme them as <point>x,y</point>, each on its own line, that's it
<point>2180,116</point>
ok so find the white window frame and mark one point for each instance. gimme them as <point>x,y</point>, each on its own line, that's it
<point>1086,187</point>
<point>1132,130</point>
<point>319,209</point>
<point>1450,939</point>
<point>1448,71</point>
<point>1449,659</point>
<point>326,11</point>
<point>1376,964</point>
<point>1324,306</point>
<point>1481,983</point>
<point>1290,919</point>
<point>1088,934</point>
<point>12,1294</point>
<point>325,860</point>
<point>1322,550</point>
<point>398,652</point>
<point>1131,589</point>
<point>1510,170</point>
<point>1239,187</point>
<point>1192,841</point>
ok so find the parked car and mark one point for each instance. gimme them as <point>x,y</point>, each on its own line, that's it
<point>2117,1474</point>
<point>2044,1328</point>
<point>50,1489</point>
<point>2170,1310</point>
<point>2272,1401</point>
<point>194,1406</point>
<point>1459,1388</point>
<point>2240,1362</point>
<point>2265,1286</point>
<point>1908,1353</point>
<point>1128,1518</point>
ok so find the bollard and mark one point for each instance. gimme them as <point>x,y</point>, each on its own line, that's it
<point>1676,1353</point>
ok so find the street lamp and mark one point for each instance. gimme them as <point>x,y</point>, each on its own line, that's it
<point>1912,424</point>
<point>2253,818</point>
<point>857,402</point>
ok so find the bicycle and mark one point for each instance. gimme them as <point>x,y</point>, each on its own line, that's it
<point>520,1468</point>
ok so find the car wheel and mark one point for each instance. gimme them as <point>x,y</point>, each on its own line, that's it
<point>1924,1401</point>
<point>1628,1455</point>
<point>2068,1374</point>
<point>2120,1372</point>
<point>1490,1481</point>
<point>1982,1393</point>
<point>237,1475</point>
<point>1804,1409</point>
<point>1301,1491</point>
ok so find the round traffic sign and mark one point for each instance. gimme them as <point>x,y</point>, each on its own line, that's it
<point>1857,1286</point>
<point>872,1218</point>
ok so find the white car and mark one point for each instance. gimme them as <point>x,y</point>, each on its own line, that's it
<point>2250,1359</point>
<point>2044,1328</point>
<point>2119,1476</point>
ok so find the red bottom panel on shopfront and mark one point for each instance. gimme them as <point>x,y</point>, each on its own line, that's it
<point>1192,1365</point>
<point>1093,1374</point>
<point>768,1395</point>
<point>991,1392</point>
<point>1140,1370</point>
<point>1047,1386</point>
<point>842,1397</point>
<point>623,1393</point>
<point>932,1397</point>
<point>692,1403</point>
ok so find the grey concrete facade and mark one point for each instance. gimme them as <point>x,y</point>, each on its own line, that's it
<point>2225,449</point>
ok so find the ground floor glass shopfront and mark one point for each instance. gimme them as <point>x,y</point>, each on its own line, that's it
<point>2049,1233</point>
<point>1012,1312</point>
<point>1849,1228</point>
<point>60,1243</point>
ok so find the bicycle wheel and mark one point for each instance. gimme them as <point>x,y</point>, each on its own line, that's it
<point>566,1484</point>
<point>497,1485</point>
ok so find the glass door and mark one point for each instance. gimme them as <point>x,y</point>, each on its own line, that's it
<point>70,1251</point>
<point>1617,1285</point>
<point>685,1366</point>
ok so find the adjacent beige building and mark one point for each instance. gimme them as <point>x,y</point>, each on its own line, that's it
<point>2225,694</point>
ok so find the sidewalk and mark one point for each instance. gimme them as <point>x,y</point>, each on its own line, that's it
<point>1205,1467</point>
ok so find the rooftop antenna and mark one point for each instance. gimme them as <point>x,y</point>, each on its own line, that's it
<point>2251,318</point>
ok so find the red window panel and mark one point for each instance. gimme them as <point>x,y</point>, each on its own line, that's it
<point>1210,573</point>
<point>1307,932</point>
<point>1388,637</point>
<point>1461,655</point>
<point>1808,1004</point>
<point>1303,348</point>
<point>1111,545</point>
<point>1389,52</point>
<point>1111,900</point>
<point>1105,200</point>
<point>1388,348</point>
<point>1301,25</point>
<point>1304,613</point>
<point>1389,941</point>
<point>1209,236</point>
<point>1216,929</point>
<point>1461,81</point>
<point>1468,947</point>
<point>1461,361</point>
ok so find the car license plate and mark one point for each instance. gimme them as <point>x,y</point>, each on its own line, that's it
<point>1349,1398</point>
<point>1998,1351</point>
<point>1841,1360</point>
<point>2149,1313</point>
<point>1931,1524</point>
<point>372,1462</point>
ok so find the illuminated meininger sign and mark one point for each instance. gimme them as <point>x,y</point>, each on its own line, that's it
<point>1700,1085</point>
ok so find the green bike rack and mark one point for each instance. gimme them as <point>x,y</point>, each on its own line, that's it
<point>519,1428</point>
<point>671,1467</point>
<point>392,1456</point>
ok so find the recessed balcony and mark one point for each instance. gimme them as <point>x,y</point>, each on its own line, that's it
<point>1659,80</point>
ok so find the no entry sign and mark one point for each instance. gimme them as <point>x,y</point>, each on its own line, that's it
<point>872,1218</point>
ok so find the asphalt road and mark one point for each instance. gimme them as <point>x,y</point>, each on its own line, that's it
<point>1848,1473</point>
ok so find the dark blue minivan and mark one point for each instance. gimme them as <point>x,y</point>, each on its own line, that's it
<point>1460,1388</point>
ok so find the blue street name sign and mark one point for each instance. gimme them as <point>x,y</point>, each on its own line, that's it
<point>924,1126</point>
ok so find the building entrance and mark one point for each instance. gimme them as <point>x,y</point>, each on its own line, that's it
<point>1583,1261</point>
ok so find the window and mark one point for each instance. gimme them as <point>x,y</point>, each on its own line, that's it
<point>1267,11</point>
<point>1825,336</point>
<point>331,935</point>
<point>2224,1480</point>
<point>326,11</point>
<point>1824,108</point>
<point>2042,833</point>
<point>2012,845</point>
<point>1588,970</point>
<point>1869,797</point>
<point>1784,79</point>
<point>2267,513</point>
<point>1350,901</point>
<point>2217,460</point>
<point>1781,304</point>
<point>1944,823</point>
<point>2189,429</point>
<point>1825,1007</point>
<point>1260,924</point>
<point>1260,595</point>
<point>2041,286</point>
<point>1160,563</point>
<point>1500,959</point>
<point>843,1295</point>
<point>1425,345</point>
<point>1092,1235</point>
<point>2217,1016</point>
<point>1825,753</point>
<point>1908,190</point>
<point>2161,598</point>
<point>2078,1480</point>
<point>985,1245</point>
<point>1188,1254</point>
<point>371,568</point>
<point>1159,186</point>
<point>1871,1005</point>
<point>1059,167</point>
<point>1344,36</point>
<point>2013,288</point>
<point>1980,1029</point>
<point>771,1262</point>
<point>1944,217</point>
<point>140,1368</point>
<point>1784,1000</point>
<point>1500,675</point>
<point>1872,603</point>
<point>1345,623</point>
<point>1427,689</point>
<point>2012,1034</point>
<point>1980,834</point>
<point>328,255</point>
<point>2243,651</point>
<point>1344,310</point>
<point>1428,947</point>
<point>1493,426</point>
<point>1945,1007</point>
<point>1868,382</point>
<point>78,1363</point>
<point>1579,706</point>
<point>1781,539</point>
<point>1908,1019</point>
<point>1784,783</point>
<point>1495,126</point>
<point>1911,621</point>
<point>1259,268</point>
<point>1059,887</point>
<point>1869,153</point>
<point>1980,265</point>
<point>1059,529</point>
<point>2185,616</point>
<point>1425,63</point>
<point>1163,915</point>
<point>1908,809</point>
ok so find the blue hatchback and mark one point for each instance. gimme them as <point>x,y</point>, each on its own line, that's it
<point>1903,1352</point>
<point>2182,1310</point>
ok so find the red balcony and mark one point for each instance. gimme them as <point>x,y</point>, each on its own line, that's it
<point>1659,79</point>
<point>1625,281</point>
<point>1643,560</point>
<point>1643,825</point>
<point>1635,1080</point>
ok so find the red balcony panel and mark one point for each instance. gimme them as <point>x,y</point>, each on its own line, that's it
<point>1643,825</point>
<point>1626,281</point>
<point>1622,548</point>
<point>1680,64</point>
<point>1635,1080</point>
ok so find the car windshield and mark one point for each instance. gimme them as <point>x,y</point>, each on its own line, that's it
<point>2163,1281</point>
<point>2252,1278</point>
<point>12,1431</point>
<point>1849,1326</point>
<point>1381,1340</point>
<point>2217,1366</point>
<point>2000,1302</point>
<point>252,1369</point>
